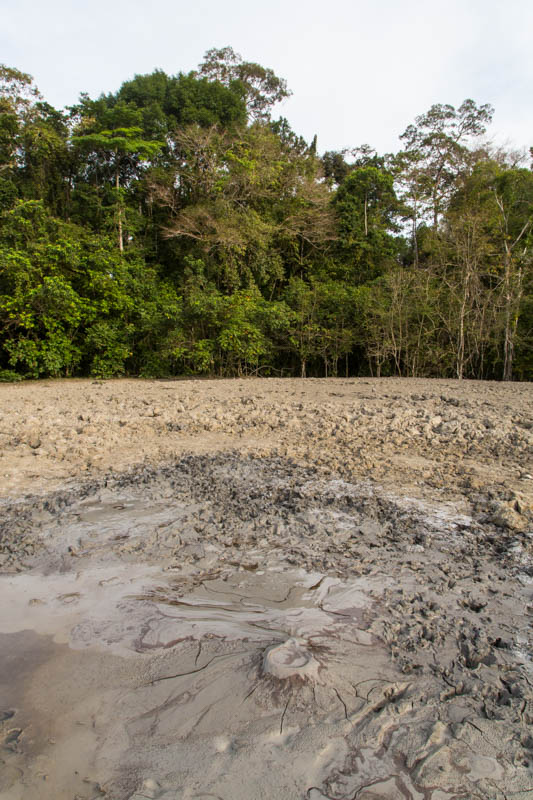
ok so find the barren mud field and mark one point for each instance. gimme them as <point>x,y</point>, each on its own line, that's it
<point>259,589</point>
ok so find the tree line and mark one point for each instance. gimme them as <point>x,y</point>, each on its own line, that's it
<point>175,227</point>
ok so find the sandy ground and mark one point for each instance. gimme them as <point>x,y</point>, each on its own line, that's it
<point>266,588</point>
<point>444,434</point>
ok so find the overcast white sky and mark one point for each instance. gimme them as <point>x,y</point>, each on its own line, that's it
<point>360,71</point>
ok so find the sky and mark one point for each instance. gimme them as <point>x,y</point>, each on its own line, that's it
<point>360,72</point>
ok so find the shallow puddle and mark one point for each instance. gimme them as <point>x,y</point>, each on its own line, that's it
<point>274,651</point>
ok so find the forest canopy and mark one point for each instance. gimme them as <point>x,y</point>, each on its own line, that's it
<point>176,227</point>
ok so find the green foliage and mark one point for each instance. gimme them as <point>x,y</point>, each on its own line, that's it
<point>161,103</point>
<point>366,206</point>
<point>109,342</point>
<point>68,300</point>
<point>10,376</point>
<point>172,227</point>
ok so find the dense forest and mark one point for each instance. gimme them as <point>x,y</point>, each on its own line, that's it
<point>176,228</point>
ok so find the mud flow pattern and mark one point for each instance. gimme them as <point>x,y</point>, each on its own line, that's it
<point>246,628</point>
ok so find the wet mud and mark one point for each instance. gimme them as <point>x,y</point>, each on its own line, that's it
<point>236,626</point>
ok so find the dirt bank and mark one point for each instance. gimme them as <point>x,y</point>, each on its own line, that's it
<point>257,589</point>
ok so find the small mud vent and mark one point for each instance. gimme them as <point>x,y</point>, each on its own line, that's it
<point>291,659</point>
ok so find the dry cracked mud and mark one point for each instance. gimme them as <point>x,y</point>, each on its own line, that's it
<point>258,589</point>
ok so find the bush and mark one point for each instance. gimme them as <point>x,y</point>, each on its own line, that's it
<point>9,376</point>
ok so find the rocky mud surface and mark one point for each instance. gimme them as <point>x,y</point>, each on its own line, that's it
<point>258,589</point>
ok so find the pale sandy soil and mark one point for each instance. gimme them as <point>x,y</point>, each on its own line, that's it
<point>266,589</point>
<point>443,434</point>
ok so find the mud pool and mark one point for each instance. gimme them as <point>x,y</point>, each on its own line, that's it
<point>237,627</point>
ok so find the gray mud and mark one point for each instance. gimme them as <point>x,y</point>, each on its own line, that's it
<point>235,627</point>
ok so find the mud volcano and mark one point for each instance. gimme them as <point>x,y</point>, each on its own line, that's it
<point>291,659</point>
<point>230,627</point>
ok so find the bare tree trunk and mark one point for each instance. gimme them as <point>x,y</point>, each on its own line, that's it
<point>415,240</point>
<point>460,364</point>
<point>460,361</point>
<point>508,338</point>
<point>119,214</point>
<point>513,298</point>
<point>512,294</point>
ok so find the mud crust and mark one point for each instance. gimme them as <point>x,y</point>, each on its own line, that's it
<point>415,612</point>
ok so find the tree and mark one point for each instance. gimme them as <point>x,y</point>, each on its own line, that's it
<point>305,332</point>
<point>240,250</point>
<point>366,207</point>
<point>513,196</point>
<point>260,86</point>
<point>118,147</point>
<point>247,200</point>
<point>335,166</point>
<point>436,150</point>
<point>401,325</point>
<point>176,101</point>
<point>467,310</point>
<point>482,255</point>
<point>46,162</point>
<point>306,230</point>
<point>17,96</point>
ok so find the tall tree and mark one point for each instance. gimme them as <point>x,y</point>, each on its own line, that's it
<point>118,148</point>
<point>436,150</point>
<point>366,208</point>
<point>17,96</point>
<point>261,87</point>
